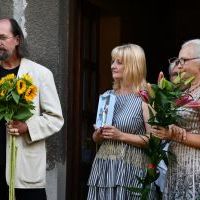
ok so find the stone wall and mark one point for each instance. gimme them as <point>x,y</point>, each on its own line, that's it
<point>45,24</point>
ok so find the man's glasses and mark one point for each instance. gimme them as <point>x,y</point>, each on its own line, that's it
<point>181,61</point>
<point>4,38</point>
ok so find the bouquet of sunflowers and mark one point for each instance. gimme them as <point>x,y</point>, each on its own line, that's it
<point>16,103</point>
<point>16,97</point>
<point>163,99</point>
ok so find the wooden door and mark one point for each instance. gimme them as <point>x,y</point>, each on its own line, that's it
<point>83,62</point>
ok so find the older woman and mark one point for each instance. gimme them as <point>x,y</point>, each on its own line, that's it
<point>120,159</point>
<point>183,179</point>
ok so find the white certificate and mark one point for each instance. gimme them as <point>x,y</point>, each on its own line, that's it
<point>105,109</point>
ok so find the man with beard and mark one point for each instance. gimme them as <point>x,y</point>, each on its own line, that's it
<point>31,135</point>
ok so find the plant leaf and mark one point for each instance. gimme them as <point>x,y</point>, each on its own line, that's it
<point>15,96</point>
<point>22,114</point>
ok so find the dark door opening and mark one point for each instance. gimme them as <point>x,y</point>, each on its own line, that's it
<point>98,26</point>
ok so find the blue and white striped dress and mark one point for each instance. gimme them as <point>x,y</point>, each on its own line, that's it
<point>117,164</point>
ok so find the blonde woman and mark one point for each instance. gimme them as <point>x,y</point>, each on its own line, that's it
<point>120,158</point>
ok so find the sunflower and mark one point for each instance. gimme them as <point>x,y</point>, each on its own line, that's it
<point>2,80</point>
<point>9,77</point>
<point>28,78</point>
<point>30,93</point>
<point>2,93</point>
<point>21,86</point>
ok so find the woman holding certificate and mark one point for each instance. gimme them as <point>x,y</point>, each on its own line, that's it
<point>120,158</point>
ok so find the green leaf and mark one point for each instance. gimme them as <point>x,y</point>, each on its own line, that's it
<point>169,86</point>
<point>152,175</point>
<point>177,80</point>
<point>8,116</point>
<point>161,84</point>
<point>8,96</point>
<point>30,105</point>
<point>22,114</point>
<point>162,99</point>
<point>15,96</point>
<point>151,114</point>
<point>1,116</point>
<point>189,80</point>
<point>2,109</point>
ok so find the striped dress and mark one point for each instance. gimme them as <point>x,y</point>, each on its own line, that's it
<point>117,164</point>
<point>183,177</point>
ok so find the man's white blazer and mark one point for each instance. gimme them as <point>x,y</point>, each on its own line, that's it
<point>47,120</point>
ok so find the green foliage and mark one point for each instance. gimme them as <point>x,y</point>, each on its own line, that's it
<point>164,106</point>
<point>22,114</point>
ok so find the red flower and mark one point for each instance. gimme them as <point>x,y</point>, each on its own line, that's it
<point>144,95</point>
<point>183,100</point>
<point>193,104</point>
<point>151,166</point>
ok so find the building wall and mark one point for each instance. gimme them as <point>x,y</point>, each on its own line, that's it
<point>45,24</point>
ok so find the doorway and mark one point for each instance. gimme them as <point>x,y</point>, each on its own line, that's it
<point>96,27</point>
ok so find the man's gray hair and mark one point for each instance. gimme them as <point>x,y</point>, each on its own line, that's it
<point>196,44</point>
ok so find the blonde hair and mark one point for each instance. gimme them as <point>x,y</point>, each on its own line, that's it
<point>133,59</point>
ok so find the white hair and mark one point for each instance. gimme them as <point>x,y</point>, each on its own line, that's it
<point>195,43</point>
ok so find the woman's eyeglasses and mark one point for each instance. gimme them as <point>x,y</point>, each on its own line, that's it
<point>180,61</point>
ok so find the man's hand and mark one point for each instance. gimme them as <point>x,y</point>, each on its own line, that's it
<point>17,128</point>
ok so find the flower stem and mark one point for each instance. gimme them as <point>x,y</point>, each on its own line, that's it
<point>12,167</point>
